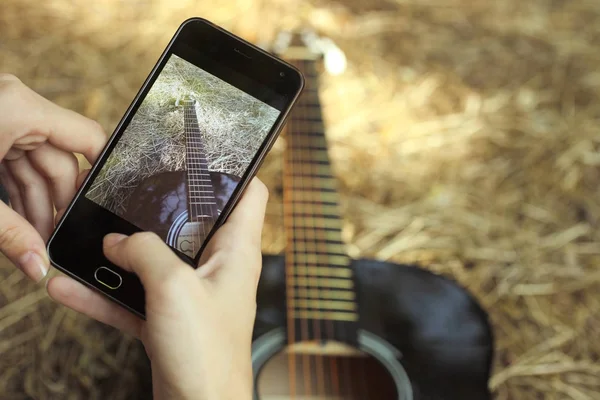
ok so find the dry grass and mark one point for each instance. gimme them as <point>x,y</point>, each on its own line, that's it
<point>478,121</point>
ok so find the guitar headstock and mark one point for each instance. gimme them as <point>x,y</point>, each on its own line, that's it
<point>308,45</point>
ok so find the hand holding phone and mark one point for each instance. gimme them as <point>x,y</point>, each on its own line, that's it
<point>198,323</point>
<point>180,158</point>
<point>200,319</point>
<point>38,169</point>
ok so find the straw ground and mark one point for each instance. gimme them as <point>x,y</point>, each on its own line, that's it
<point>477,120</point>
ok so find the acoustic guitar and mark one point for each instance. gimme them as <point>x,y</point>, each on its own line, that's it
<point>331,327</point>
<point>182,206</point>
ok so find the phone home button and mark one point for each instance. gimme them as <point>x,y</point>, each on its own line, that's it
<point>108,278</point>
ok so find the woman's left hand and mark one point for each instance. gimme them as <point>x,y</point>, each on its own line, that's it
<point>38,169</point>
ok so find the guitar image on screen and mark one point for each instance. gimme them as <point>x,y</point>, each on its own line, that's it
<point>331,327</point>
<point>182,206</point>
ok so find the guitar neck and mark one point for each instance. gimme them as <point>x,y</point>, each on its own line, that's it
<point>201,197</point>
<point>320,284</point>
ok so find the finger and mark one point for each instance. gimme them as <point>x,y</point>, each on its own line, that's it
<point>11,187</point>
<point>22,244</point>
<point>60,169</point>
<point>28,118</point>
<point>35,195</point>
<point>80,178</point>
<point>238,241</point>
<point>144,254</point>
<point>247,219</point>
<point>80,298</point>
<point>245,223</point>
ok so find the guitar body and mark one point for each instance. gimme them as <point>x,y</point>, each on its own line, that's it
<point>437,333</point>
<point>332,328</point>
<point>160,204</point>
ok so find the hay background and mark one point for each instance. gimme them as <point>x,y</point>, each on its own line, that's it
<point>478,121</point>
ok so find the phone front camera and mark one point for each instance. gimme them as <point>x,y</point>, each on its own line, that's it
<point>282,74</point>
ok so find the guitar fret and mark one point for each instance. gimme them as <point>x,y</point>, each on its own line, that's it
<point>317,134</point>
<point>325,315</point>
<point>317,234</point>
<point>310,188</point>
<point>309,202</point>
<point>315,214</point>
<point>330,272</point>
<point>301,142</point>
<point>334,232</point>
<point>338,283</point>
<point>309,176</point>
<point>328,181</point>
<point>291,168</point>
<point>325,305</point>
<point>324,252</point>
<point>326,197</point>
<point>331,294</point>
<point>314,247</point>
<point>323,224</point>
<point>301,209</point>
<point>296,259</point>
<point>297,148</point>
<point>304,161</point>
<point>332,246</point>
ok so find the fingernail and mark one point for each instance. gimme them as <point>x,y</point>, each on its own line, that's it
<point>33,265</point>
<point>113,238</point>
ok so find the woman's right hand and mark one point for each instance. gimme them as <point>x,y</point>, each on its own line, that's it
<point>198,328</point>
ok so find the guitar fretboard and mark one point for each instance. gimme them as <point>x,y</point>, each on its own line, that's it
<point>320,284</point>
<point>201,197</point>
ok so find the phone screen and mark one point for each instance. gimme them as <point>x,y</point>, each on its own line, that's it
<point>183,153</point>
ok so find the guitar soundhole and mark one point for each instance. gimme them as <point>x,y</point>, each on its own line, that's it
<point>325,377</point>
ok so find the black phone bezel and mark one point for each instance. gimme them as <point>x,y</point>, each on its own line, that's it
<point>76,249</point>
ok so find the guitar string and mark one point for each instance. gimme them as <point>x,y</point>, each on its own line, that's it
<point>314,241</point>
<point>304,322</point>
<point>202,150</point>
<point>189,160</point>
<point>294,137</point>
<point>311,222</point>
<point>289,261</point>
<point>317,114</point>
<point>198,201</point>
<point>195,227</point>
<point>329,324</point>
<point>207,223</point>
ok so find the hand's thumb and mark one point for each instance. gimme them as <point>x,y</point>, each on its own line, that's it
<point>22,244</point>
<point>144,254</point>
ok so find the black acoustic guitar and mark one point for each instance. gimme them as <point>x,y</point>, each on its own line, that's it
<point>182,206</point>
<point>330,327</point>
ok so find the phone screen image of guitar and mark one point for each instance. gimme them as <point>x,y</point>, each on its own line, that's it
<point>182,155</point>
<point>189,201</point>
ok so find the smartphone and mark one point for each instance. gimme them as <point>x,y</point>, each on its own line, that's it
<point>181,156</point>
